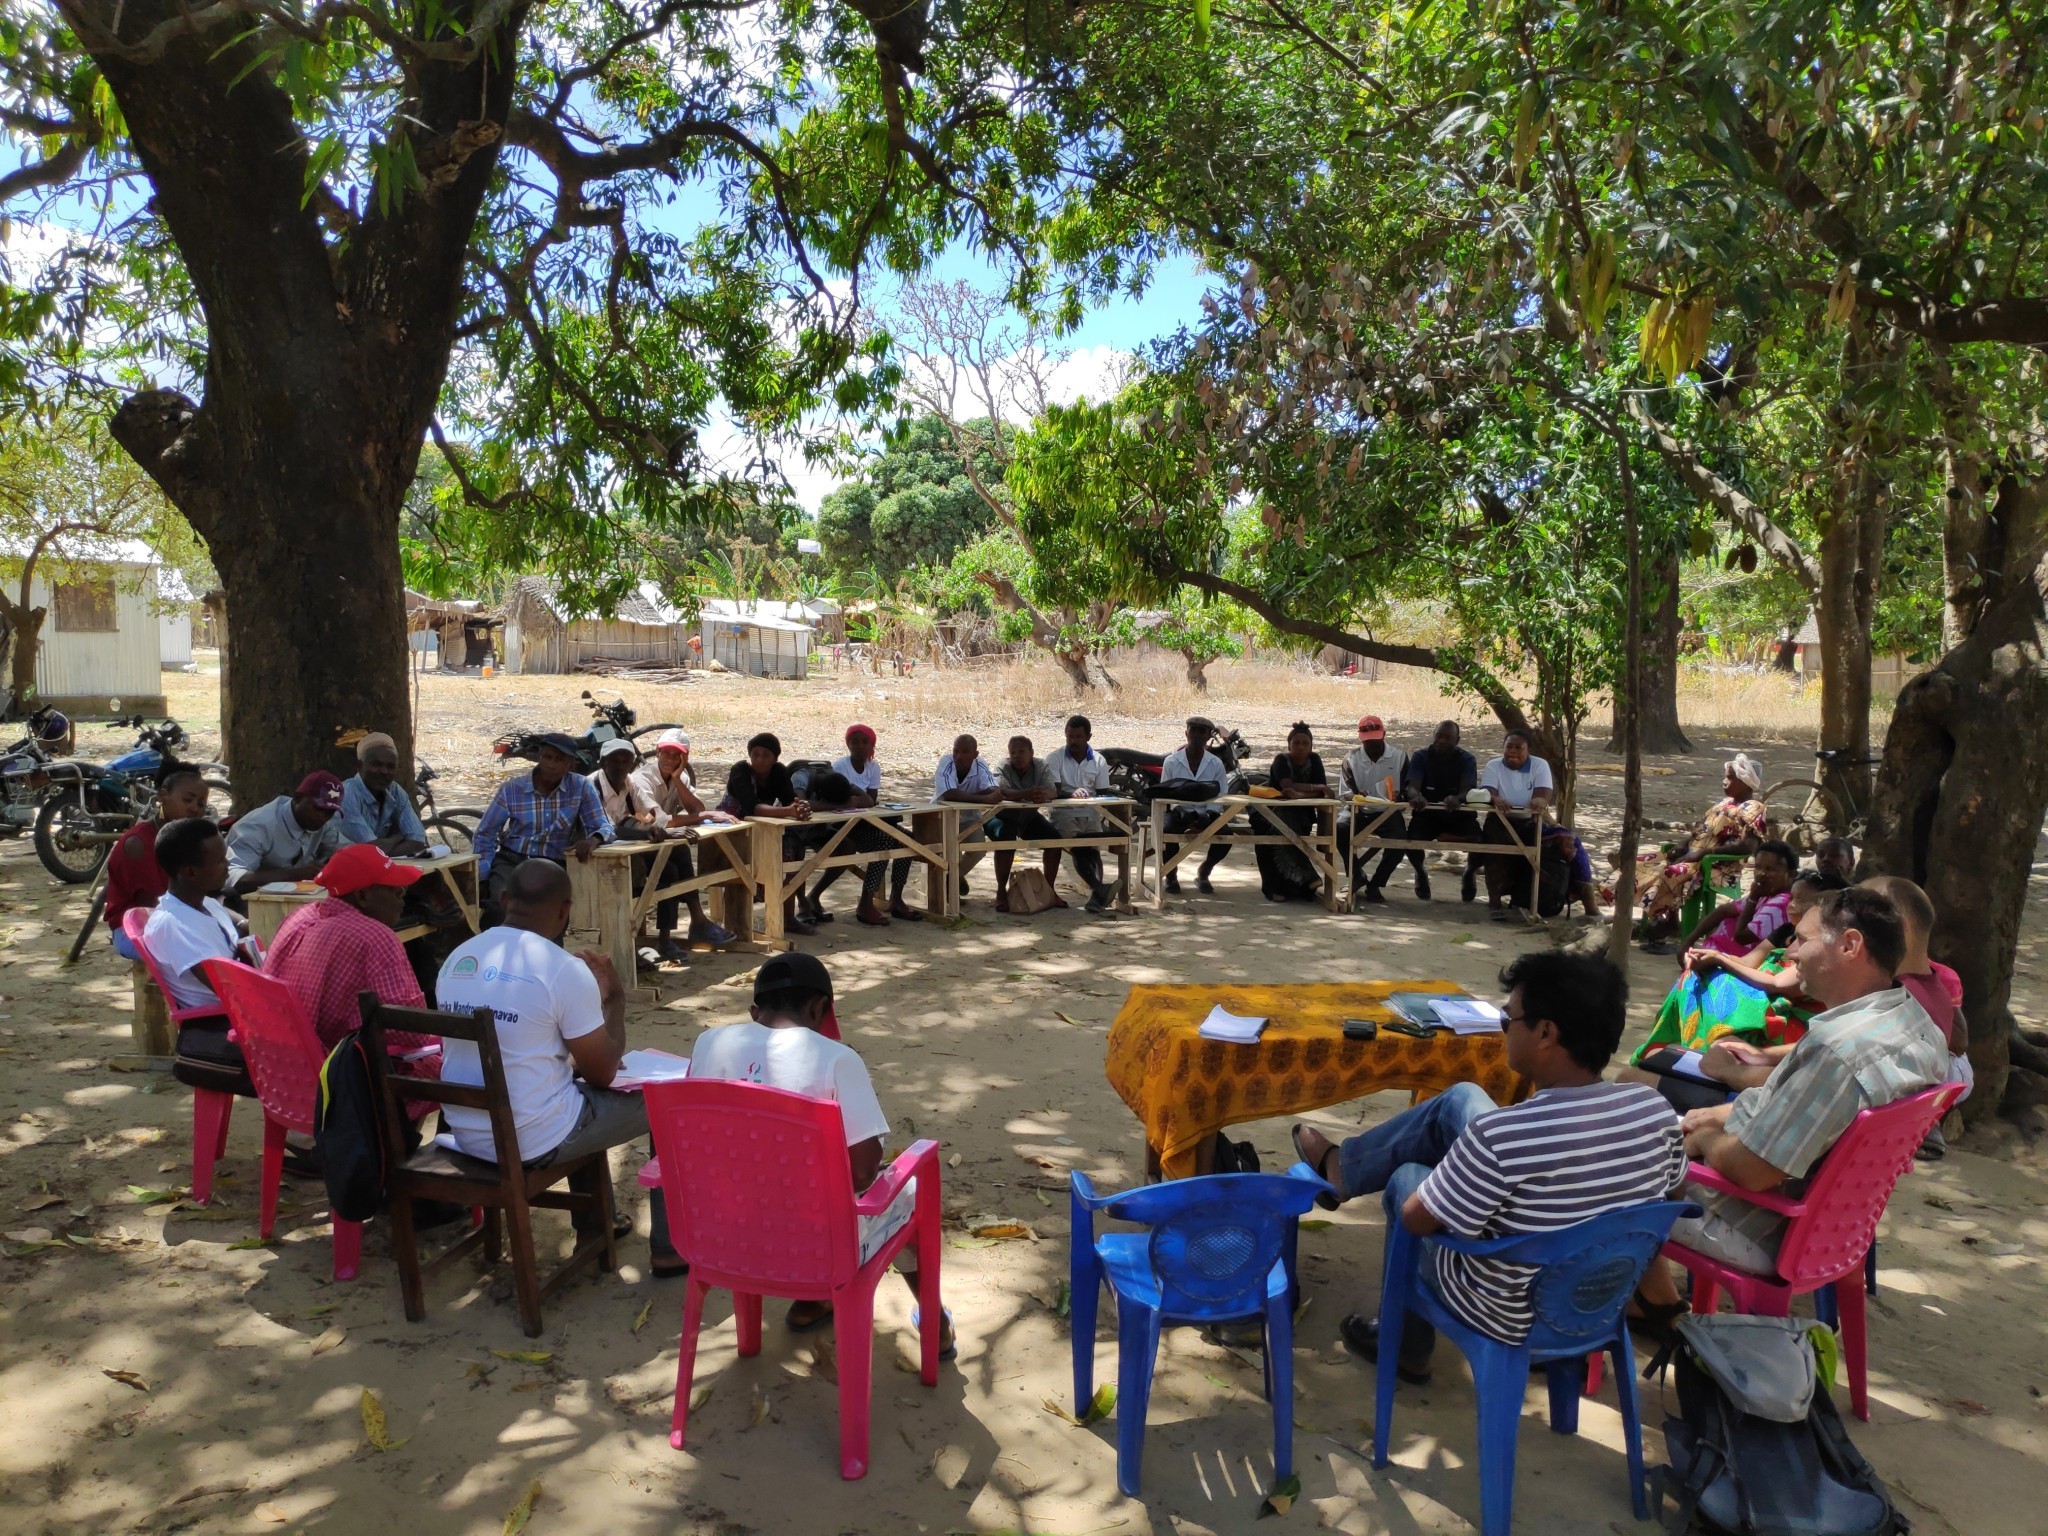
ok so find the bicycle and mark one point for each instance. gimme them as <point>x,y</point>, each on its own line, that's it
<point>1821,813</point>
<point>455,826</point>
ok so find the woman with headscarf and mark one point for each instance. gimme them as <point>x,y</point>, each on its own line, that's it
<point>1733,826</point>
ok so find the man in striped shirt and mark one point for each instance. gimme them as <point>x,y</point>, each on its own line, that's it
<point>1578,1147</point>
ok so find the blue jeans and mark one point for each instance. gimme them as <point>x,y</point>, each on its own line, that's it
<point>122,947</point>
<point>1392,1160</point>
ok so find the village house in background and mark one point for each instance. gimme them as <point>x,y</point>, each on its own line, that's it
<point>458,633</point>
<point>101,647</point>
<point>1889,670</point>
<point>761,637</point>
<point>542,636</point>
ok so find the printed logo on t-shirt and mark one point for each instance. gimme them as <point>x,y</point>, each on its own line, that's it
<point>466,966</point>
<point>497,973</point>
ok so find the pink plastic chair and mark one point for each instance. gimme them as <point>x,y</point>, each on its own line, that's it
<point>1831,1227</point>
<point>284,1058</point>
<point>211,1108</point>
<point>765,1206</point>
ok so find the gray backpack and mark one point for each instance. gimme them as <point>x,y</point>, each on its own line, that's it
<point>1756,1449</point>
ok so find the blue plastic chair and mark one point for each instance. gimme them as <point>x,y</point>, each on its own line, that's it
<point>1220,1250</point>
<point>1587,1274</point>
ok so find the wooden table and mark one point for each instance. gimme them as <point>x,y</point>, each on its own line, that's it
<point>1184,1089</point>
<point>1123,837</point>
<point>933,839</point>
<point>1380,810</point>
<point>605,915</point>
<point>267,912</point>
<point>1318,846</point>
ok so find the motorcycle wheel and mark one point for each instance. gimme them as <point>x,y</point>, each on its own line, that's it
<point>61,822</point>
<point>452,829</point>
<point>650,730</point>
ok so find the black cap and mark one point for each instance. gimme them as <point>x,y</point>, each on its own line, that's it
<point>562,742</point>
<point>792,972</point>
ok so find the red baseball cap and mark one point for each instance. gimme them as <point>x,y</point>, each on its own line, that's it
<point>1372,728</point>
<point>362,865</point>
<point>322,788</point>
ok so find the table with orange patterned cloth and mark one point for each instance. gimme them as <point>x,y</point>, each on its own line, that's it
<point>1184,1089</point>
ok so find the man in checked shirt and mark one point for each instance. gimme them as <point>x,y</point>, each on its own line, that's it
<point>550,814</point>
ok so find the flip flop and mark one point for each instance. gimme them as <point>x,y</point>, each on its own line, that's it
<point>789,1318</point>
<point>1327,1202</point>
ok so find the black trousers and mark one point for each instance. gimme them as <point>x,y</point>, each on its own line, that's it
<point>1394,827</point>
<point>1508,875</point>
<point>1188,819</point>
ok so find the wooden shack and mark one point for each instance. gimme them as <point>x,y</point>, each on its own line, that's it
<point>543,636</point>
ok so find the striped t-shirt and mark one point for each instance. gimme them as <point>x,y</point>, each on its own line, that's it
<point>1563,1156</point>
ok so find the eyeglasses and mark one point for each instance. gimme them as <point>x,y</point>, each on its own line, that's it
<point>1514,1018</point>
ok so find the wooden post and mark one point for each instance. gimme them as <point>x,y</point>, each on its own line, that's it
<point>950,816</point>
<point>768,876</point>
<point>151,1022</point>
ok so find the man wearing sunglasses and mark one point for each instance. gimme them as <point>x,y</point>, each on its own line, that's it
<point>1578,1147</point>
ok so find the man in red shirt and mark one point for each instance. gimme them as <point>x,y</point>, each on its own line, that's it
<point>134,878</point>
<point>330,950</point>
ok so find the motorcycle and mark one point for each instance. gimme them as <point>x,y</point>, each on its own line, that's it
<point>24,769</point>
<point>608,722</point>
<point>87,806</point>
<point>1136,774</point>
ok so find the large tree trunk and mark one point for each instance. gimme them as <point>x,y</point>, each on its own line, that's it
<point>325,358</point>
<point>24,634</point>
<point>1961,795</point>
<point>1657,709</point>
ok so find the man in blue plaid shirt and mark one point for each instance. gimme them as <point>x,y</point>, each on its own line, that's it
<point>549,814</point>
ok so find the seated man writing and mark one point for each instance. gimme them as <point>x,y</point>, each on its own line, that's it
<point>288,839</point>
<point>1079,772</point>
<point>1190,770</point>
<point>761,786</point>
<point>1521,786</point>
<point>1024,779</point>
<point>671,789</point>
<point>784,1047</point>
<point>375,807</point>
<point>962,778</point>
<point>189,925</point>
<point>561,1023</point>
<point>1872,1044</point>
<point>1577,1148</point>
<point>548,814</point>
<point>1440,776</point>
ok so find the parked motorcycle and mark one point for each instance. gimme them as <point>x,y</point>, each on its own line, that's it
<point>86,806</point>
<point>24,769</point>
<point>1136,774</point>
<point>608,722</point>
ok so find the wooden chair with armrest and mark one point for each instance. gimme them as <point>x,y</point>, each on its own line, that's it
<point>506,1191</point>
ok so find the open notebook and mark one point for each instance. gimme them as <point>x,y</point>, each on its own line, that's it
<point>1234,1028</point>
<point>639,1068</point>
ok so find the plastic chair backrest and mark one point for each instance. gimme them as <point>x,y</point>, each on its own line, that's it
<point>1847,1193</point>
<point>133,922</point>
<point>1591,1269</point>
<point>1215,1239</point>
<point>281,1049</point>
<point>757,1181</point>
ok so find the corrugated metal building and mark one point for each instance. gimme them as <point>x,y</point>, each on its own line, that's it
<point>759,637</point>
<point>101,647</point>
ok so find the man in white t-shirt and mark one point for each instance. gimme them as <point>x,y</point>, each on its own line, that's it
<point>189,926</point>
<point>863,776</point>
<point>1194,764</point>
<point>1521,786</point>
<point>1079,772</point>
<point>560,1018</point>
<point>785,1047</point>
<point>962,777</point>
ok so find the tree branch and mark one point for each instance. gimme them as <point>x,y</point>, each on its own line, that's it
<point>52,170</point>
<point>1730,503</point>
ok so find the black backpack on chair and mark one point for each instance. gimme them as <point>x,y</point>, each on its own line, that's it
<point>348,1132</point>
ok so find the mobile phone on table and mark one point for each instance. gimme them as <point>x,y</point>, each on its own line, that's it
<point>1360,1029</point>
<point>1409,1027</point>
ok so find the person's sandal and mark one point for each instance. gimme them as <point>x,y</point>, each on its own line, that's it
<point>1655,1325</point>
<point>809,1324</point>
<point>949,1346</point>
<point>1327,1202</point>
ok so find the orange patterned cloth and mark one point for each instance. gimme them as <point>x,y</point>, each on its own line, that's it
<point>1185,1089</point>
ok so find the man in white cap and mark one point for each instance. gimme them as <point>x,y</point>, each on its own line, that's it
<point>647,801</point>
<point>375,807</point>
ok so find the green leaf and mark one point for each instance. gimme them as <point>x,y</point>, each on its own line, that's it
<point>1100,1406</point>
<point>247,1243</point>
<point>1282,1498</point>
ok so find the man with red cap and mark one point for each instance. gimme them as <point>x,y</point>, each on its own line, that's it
<point>288,839</point>
<point>1374,769</point>
<point>328,951</point>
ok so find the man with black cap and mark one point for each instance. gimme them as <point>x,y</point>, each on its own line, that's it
<point>549,813</point>
<point>793,1043</point>
<point>288,839</point>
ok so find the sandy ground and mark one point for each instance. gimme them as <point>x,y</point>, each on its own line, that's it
<point>988,1037</point>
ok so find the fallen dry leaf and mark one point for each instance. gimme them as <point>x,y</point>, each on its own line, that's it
<point>127,1379</point>
<point>1002,1231</point>
<point>1968,1407</point>
<point>1066,1018</point>
<point>329,1340</point>
<point>43,1202</point>
<point>375,1430</point>
<point>271,1513</point>
<point>641,1321</point>
<point>30,1235</point>
<point>699,1398</point>
<point>759,1411</point>
<point>515,1520</point>
<point>526,1356</point>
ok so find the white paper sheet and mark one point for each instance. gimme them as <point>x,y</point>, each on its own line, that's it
<point>639,1068</point>
<point>1468,1015</point>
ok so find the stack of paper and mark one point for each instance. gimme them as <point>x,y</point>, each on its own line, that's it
<point>1224,1025</point>
<point>639,1068</point>
<point>1468,1015</point>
